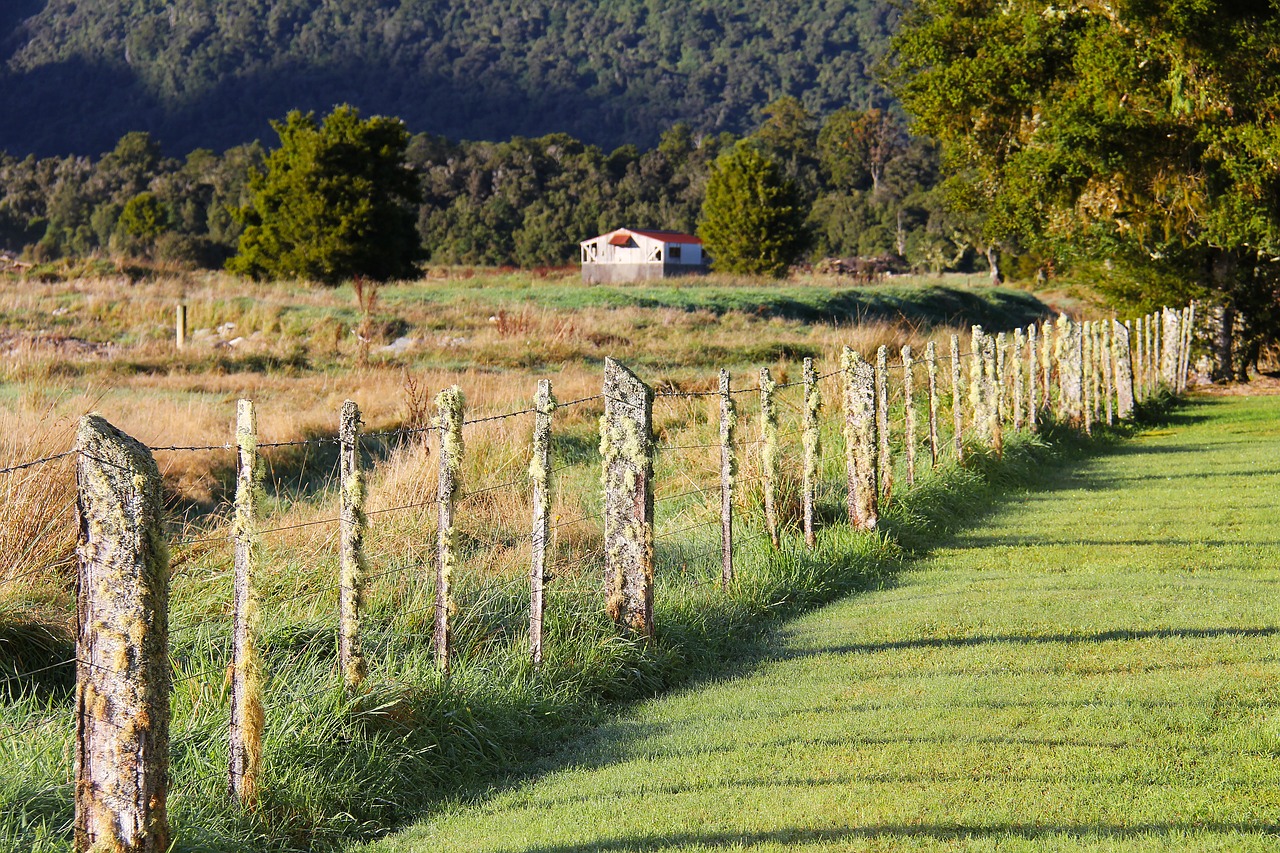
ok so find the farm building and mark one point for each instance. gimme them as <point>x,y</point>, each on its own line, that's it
<point>630,255</point>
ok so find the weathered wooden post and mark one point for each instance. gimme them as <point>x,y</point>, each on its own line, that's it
<point>1171,357</point>
<point>860,439</point>
<point>728,472</point>
<point>1033,390</point>
<point>626,446</point>
<point>885,463</point>
<point>1046,363</point>
<point>1086,376</point>
<point>1001,400</point>
<point>180,324</point>
<point>247,717</point>
<point>908,398</point>
<point>990,383</point>
<point>123,680</point>
<point>978,397</point>
<point>1139,374</point>
<point>812,447</point>
<point>769,453</point>
<point>931,360</point>
<point>1122,359</point>
<point>1018,345</point>
<point>1148,357</point>
<point>1188,339</point>
<point>352,563</point>
<point>957,399</point>
<point>1108,371</point>
<point>1071,370</point>
<point>544,405</point>
<point>1095,371</point>
<point>449,406</point>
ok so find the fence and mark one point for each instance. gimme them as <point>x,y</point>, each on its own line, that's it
<point>1081,374</point>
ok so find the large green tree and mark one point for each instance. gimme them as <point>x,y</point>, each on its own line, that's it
<point>335,201</point>
<point>1137,131</point>
<point>753,216</point>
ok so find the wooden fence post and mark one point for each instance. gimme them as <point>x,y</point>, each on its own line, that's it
<point>1086,376</point>
<point>860,439</point>
<point>352,563</point>
<point>1001,403</point>
<point>1046,364</point>
<point>247,717</point>
<point>990,390</point>
<point>626,445</point>
<point>769,453</point>
<point>909,404</point>
<point>977,384</point>
<point>728,473</point>
<point>180,324</point>
<point>544,404</point>
<point>450,406</point>
<point>1148,357</point>
<point>1189,338</point>
<point>812,447</point>
<point>957,399</point>
<point>1019,344</point>
<point>1108,372</point>
<point>885,463</point>
<point>1071,370</point>
<point>931,361</point>
<point>1171,358</point>
<point>1033,390</point>
<point>123,680</point>
<point>1122,359</point>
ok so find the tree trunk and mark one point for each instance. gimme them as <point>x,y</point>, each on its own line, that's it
<point>993,259</point>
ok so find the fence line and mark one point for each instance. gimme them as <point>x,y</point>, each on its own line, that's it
<point>1064,363</point>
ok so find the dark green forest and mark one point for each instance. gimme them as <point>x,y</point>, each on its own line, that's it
<point>79,74</point>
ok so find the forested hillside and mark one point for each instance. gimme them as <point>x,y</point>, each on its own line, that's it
<point>78,74</point>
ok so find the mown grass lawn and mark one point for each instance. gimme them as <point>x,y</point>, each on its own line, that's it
<point>1094,667</point>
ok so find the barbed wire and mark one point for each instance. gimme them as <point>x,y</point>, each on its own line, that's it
<point>44,460</point>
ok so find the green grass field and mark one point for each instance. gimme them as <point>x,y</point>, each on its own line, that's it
<point>1093,666</point>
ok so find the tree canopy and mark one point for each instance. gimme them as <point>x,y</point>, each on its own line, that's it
<point>1142,131</point>
<point>753,216</point>
<point>335,201</point>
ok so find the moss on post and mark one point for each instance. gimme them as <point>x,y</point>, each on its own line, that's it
<point>1019,344</point>
<point>769,452</point>
<point>978,396</point>
<point>860,439</point>
<point>1108,375</point>
<point>627,448</point>
<point>1086,376</point>
<point>728,477</point>
<point>1070,342</point>
<point>931,362</point>
<point>353,566</point>
<point>908,399</point>
<point>812,447</point>
<point>1033,371</point>
<point>1122,361</point>
<point>1047,347</point>
<point>449,405</point>
<point>957,399</point>
<point>991,384</point>
<point>247,717</point>
<point>885,462</point>
<point>1001,398</point>
<point>123,680</point>
<point>544,405</point>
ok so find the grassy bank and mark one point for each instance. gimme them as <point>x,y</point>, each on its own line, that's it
<point>1091,667</point>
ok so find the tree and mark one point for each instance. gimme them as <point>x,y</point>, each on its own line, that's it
<point>143,219</point>
<point>334,202</point>
<point>1137,131</point>
<point>753,217</point>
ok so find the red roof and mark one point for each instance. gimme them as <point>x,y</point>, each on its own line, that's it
<point>664,236</point>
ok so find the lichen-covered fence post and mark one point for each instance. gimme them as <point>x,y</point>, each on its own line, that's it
<point>449,406</point>
<point>1108,371</point>
<point>978,398</point>
<point>990,390</point>
<point>544,405</point>
<point>769,453</point>
<point>1046,364</point>
<point>909,403</point>
<point>1171,358</point>
<point>353,565</point>
<point>626,446</point>
<point>860,439</point>
<point>1148,357</point>
<point>728,473</point>
<point>1135,338</point>
<point>1188,338</point>
<point>812,447</point>
<point>123,680</point>
<point>1071,370</point>
<point>957,399</point>
<point>1122,360</point>
<point>1019,344</point>
<point>247,717</point>
<point>1001,401</point>
<point>1086,376</point>
<point>885,463</point>
<point>931,362</point>
<point>1033,390</point>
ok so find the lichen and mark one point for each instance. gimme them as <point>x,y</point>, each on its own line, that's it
<point>860,439</point>
<point>769,452</point>
<point>450,405</point>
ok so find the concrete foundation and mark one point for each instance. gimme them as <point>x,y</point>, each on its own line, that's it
<point>621,273</point>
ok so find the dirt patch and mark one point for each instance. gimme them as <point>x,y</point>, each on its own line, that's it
<point>1259,386</point>
<point>21,343</point>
